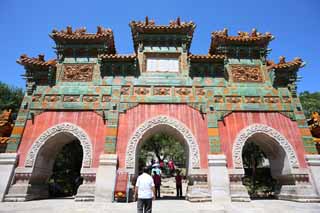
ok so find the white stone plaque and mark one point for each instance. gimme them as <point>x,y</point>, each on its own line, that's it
<point>162,65</point>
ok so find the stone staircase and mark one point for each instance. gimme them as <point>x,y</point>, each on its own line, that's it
<point>168,187</point>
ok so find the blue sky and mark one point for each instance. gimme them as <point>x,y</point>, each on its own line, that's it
<point>25,26</point>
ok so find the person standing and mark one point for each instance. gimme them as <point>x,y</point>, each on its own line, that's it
<point>179,184</point>
<point>157,183</point>
<point>144,192</point>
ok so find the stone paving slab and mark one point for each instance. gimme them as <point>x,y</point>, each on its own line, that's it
<point>163,206</point>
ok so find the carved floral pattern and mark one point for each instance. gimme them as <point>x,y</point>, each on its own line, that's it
<point>36,98</point>
<point>245,73</point>
<point>218,99</point>
<point>271,100</point>
<point>161,91</point>
<point>60,128</point>
<point>142,91</point>
<point>71,98</point>
<point>246,133</point>
<point>253,100</point>
<point>163,120</point>
<point>52,98</point>
<point>233,99</point>
<point>286,99</point>
<point>125,91</point>
<point>90,98</point>
<point>183,91</point>
<point>200,92</point>
<point>77,72</point>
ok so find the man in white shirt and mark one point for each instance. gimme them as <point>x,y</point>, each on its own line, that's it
<point>144,191</point>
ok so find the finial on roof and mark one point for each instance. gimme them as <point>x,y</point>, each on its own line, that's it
<point>69,30</point>
<point>99,30</point>
<point>147,20</point>
<point>298,59</point>
<point>41,57</point>
<point>225,32</point>
<point>178,21</point>
<point>254,32</point>
<point>23,56</point>
<point>282,60</point>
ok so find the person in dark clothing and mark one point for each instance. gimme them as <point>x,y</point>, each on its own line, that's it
<point>179,184</point>
<point>157,183</point>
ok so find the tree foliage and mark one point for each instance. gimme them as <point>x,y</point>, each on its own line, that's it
<point>163,146</point>
<point>10,97</point>
<point>258,179</point>
<point>67,168</point>
<point>310,102</point>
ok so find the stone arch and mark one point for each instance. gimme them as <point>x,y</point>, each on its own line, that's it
<point>70,128</point>
<point>253,129</point>
<point>194,153</point>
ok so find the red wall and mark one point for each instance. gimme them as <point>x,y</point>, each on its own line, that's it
<point>133,118</point>
<point>236,121</point>
<point>90,122</point>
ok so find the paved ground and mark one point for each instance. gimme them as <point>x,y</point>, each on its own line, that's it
<point>163,206</point>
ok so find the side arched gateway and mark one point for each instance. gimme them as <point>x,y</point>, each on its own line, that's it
<point>62,128</point>
<point>164,121</point>
<point>261,129</point>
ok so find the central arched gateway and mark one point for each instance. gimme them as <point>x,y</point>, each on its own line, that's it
<point>170,126</point>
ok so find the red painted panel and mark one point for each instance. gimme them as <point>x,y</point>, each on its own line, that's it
<point>237,121</point>
<point>90,122</point>
<point>130,121</point>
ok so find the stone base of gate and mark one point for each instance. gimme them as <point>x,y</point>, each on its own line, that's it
<point>7,165</point>
<point>106,177</point>
<point>218,178</point>
<point>20,188</point>
<point>314,168</point>
<point>86,191</point>
<point>238,191</point>
<point>298,193</point>
<point>301,188</point>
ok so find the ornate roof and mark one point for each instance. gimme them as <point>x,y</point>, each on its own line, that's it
<point>206,58</point>
<point>81,36</point>
<point>221,38</point>
<point>116,57</point>
<point>283,65</point>
<point>38,62</point>
<point>149,27</point>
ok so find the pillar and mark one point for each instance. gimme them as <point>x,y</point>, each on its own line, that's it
<point>106,176</point>
<point>219,178</point>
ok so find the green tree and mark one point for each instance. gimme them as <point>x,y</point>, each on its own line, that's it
<point>252,157</point>
<point>163,146</point>
<point>67,168</point>
<point>310,102</point>
<point>10,97</point>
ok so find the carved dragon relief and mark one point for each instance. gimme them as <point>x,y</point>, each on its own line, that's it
<point>246,73</point>
<point>77,72</point>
